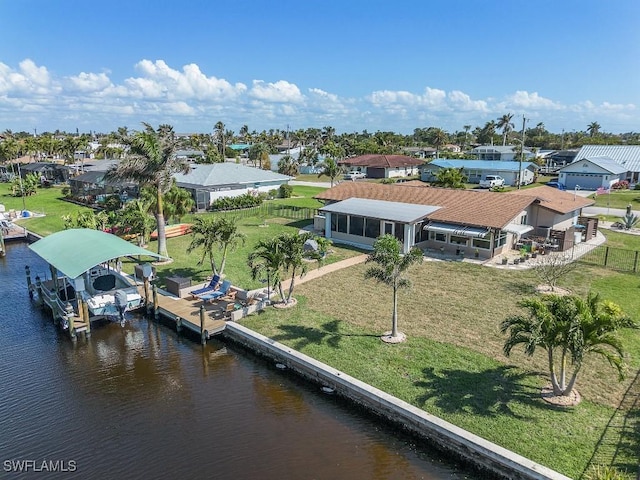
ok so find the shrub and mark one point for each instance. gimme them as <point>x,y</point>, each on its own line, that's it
<point>388,180</point>
<point>621,185</point>
<point>285,190</point>
<point>245,200</point>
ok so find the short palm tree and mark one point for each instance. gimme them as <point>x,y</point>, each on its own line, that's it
<point>178,202</point>
<point>391,268</point>
<point>567,328</point>
<point>228,238</point>
<point>267,260</point>
<point>331,169</point>
<point>152,162</point>
<point>204,231</point>
<point>450,178</point>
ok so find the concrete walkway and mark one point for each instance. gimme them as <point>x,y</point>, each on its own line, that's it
<point>318,272</point>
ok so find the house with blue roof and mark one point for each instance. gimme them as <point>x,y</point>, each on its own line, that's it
<point>502,153</point>
<point>476,170</point>
<point>591,173</point>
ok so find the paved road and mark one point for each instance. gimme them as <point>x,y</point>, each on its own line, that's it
<point>311,184</point>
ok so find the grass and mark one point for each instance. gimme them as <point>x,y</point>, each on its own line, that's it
<point>452,364</point>
<point>621,240</point>
<point>618,199</point>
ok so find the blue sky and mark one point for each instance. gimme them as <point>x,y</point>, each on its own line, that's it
<point>350,64</point>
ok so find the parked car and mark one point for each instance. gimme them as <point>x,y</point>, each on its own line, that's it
<point>354,175</point>
<point>491,181</point>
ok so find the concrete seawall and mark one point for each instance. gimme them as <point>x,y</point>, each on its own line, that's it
<point>467,446</point>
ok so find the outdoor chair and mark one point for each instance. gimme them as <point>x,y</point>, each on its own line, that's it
<point>216,294</point>
<point>211,287</point>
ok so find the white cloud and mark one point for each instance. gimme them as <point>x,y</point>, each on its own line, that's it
<point>280,91</point>
<point>30,95</point>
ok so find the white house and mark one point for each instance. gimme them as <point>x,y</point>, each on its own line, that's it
<point>499,153</point>
<point>628,156</point>
<point>476,170</point>
<point>591,173</point>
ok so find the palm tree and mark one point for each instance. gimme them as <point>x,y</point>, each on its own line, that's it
<point>267,259</point>
<point>152,162</point>
<point>466,134</point>
<point>568,328</point>
<point>287,165</point>
<point>204,231</point>
<point>228,238</point>
<point>291,246</point>
<point>219,131</point>
<point>135,219</point>
<point>178,202</point>
<point>438,139</point>
<point>331,169</point>
<point>593,129</point>
<point>450,178</point>
<point>506,125</point>
<point>390,270</point>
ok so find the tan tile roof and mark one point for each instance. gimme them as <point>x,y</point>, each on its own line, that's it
<point>465,207</point>
<point>385,161</point>
<point>553,199</point>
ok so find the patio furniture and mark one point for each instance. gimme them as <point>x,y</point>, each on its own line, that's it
<point>175,284</point>
<point>211,287</point>
<point>216,294</point>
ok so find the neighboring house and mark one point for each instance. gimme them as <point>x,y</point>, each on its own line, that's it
<point>384,166</point>
<point>193,155</point>
<point>420,152</point>
<point>49,172</point>
<point>449,220</point>
<point>591,173</point>
<point>559,159</point>
<point>207,182</point>
<point>499,153</point>
<point>92,187</point>
<point>476,170</point>
<point>628,156</point>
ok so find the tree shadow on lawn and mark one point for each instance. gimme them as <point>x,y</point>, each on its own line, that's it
<point>185,272</point>
<point>302,336</point>
<point>520,288</point>
<point>488,393</point>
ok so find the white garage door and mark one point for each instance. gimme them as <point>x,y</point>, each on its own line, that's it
<point>586,181</point>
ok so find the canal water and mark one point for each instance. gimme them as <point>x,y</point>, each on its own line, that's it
<point>141,402</point>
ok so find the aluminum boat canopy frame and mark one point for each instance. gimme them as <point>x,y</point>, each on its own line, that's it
<point>80,255</point>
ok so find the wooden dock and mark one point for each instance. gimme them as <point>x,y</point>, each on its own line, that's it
<point>203,318</point>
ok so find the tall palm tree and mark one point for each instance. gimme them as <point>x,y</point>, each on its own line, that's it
<point>219,132</point>
<point>152,162</point>
<point>593,129</point>
<point>505,123</point>
<point>438,138</point>
<point>466,134</point>
<point>390,270</point>
<point>567,328</point>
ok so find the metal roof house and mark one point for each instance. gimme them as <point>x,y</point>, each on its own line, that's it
<point>476,170</point>
<point>628,156</point>
<point>450,220</point>
<point>591,173</point>
<point>499,153</point>
<point>207,182</point>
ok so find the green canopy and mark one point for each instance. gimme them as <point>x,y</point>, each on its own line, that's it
<point>75,251</point>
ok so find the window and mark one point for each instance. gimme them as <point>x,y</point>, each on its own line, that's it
<point>523,219</point>
<point>371,228</point>
<point>421,235</point>
<point>388,228</point>
<point>458,240</point>
<point>483,242</point>
<point>339,223</point>
<point>400,232</point>
<point>438,237</point>
<point>356,226</point>
<point>502,238</point>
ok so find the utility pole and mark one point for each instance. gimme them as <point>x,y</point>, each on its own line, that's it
<point>524,121</point>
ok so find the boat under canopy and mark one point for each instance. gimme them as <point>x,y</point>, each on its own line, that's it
<point>75,251</point>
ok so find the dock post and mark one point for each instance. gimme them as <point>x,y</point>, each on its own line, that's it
<point>70,314</point>
<point>39,290</point>
<point>178,324</point>
<point>203,337</point>
<point>83,310</point>
<point>29,286</point>
<point>146,295</point>
<point>155,302</point>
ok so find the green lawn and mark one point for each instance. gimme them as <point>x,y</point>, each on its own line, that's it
<point>619,199</point>
<point>452,364</point>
